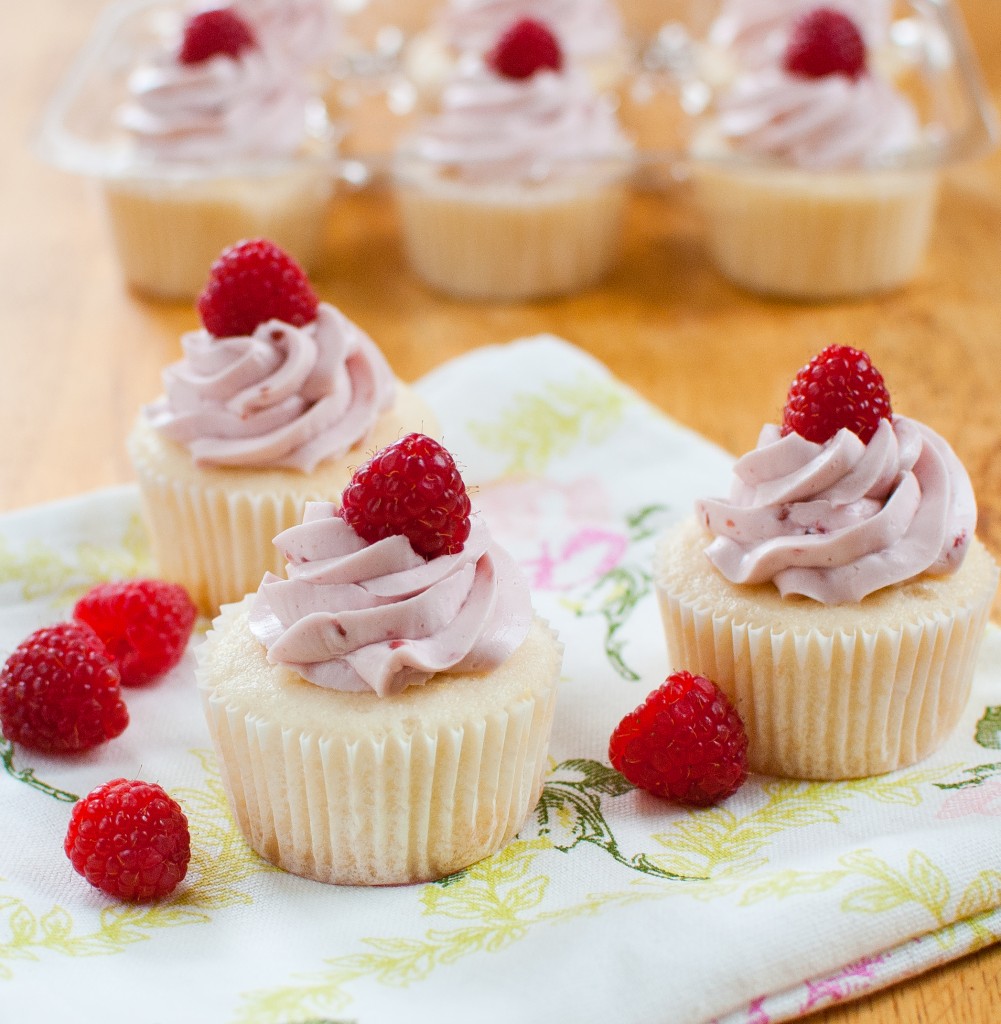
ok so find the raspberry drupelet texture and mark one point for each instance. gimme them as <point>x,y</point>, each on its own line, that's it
<point>825,41</point>
<point>526,47</point>
<point>252,282</point>
<point>838,388</point>
<point>129,839</point>
<point>685,742</point>
<point>216,32</point>
<point>145,625</point>
<point>411,488</point>
<point>60,691</point>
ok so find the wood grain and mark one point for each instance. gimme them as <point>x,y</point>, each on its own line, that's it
<point>79,354</point>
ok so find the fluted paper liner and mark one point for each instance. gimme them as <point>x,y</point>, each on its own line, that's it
<point>372,790</point>
<point>829,701</point>
<point>211,529</point>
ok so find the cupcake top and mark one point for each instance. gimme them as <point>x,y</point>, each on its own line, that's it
<point>844,498</point>
<point>821,105</point>
<point>217,94</point>
<point>396,586</point>
<point>519,114</point>
<point>306,32</point>
<point>586,28</point>
<point>274,378</point>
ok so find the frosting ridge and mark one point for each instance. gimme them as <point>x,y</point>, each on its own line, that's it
<point>840,520</point>
<point>361,617</point>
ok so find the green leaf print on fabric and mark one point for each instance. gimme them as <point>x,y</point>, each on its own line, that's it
<point>975,776</point>
<point>27,775</point>
<point>541,426</point>
<point>221,863</point>
<point>988,732</point>
<point>45,572</point>
<point>617,593</point>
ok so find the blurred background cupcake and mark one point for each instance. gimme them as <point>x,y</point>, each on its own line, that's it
<point>516,187</point>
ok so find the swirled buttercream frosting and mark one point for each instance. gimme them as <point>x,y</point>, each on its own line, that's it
<point>282,397</point>
<point>494,128</point>
<point>360,617</point>
<point>840,520</point>
<point>585,28</point>
<point>816,123</point>
<point>254,105</point>
<point>305,31</point>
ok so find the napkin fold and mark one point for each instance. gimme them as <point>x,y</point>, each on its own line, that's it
<point>610,904</point>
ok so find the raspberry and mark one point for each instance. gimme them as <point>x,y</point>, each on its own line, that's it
<point>686,742</point>
<point>526,47</point>
<point>838,388</point>
<point>251,282</point>
<point>130,839</point>
<point>144,624</point>
<point>412,488</point>
<point>825,42</point>
<point>214,32</point>
<point>60,691</point>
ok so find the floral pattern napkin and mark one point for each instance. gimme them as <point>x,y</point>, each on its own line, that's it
<point>610,904</point>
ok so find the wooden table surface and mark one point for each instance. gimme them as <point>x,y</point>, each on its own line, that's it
<point>79,354</point>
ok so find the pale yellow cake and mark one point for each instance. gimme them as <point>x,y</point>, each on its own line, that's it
<point>828,692</point>
<point>211,528</point>
<point>357,789</point>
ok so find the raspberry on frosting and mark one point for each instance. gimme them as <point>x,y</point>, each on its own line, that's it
<point>526,47</point>
<point>216,32</point>
<point>251,282</point>
<point>824,42</point>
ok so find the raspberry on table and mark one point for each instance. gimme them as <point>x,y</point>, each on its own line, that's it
<point>252,282</point>
<point>825,41</point>
<point>60,691</point>
<point>526,47</point>
<point>129,839</point>
<point>145,625</point>
<point>215,32</point>
<point>685,742</point>
<point>411,488</point>
<point>838,388</point>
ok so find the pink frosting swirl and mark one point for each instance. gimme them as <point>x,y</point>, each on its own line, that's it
<point>840,520</point>
<point>585,28</point>
<point>496,128</point>
<point>304,31</point>
<point>359,617</point>
<point>817,123</point>
<point>221,108</point>
<point>282,397</point>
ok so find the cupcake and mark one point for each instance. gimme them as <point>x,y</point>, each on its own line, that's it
<point>224,144</point>
<point>516,188</point>
<point>277,399</point>
<point>382,712</point>
<point>809,170</point>
<point>839,595</point>
<point>591,33</point>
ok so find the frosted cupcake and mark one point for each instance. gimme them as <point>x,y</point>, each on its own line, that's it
<point>277,399</point>
<point>839,595</point>
<point>808,171</point>
<point>516,188</point>
<point>226,145</point>
<point>382,712</point>
<point>591,33</point>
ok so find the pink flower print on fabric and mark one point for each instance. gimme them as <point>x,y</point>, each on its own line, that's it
<point>851,981</point>
<point>983,800</point>
<point>582,560</point>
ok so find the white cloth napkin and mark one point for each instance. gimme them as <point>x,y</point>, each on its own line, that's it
<point>611,905</point>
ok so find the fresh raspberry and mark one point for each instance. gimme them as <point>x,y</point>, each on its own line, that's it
<point>220,31</point>
<point>60,691</point>
<point>686,742</point>
<point>251,282</point>
<point>526,47</point>
<point>824,42</point>
<point>145,625</point>
<point>130,839</point>
<point>838,388</point>
<point>413,488</point>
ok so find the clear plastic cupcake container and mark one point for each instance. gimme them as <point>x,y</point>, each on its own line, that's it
<point>170,220</point>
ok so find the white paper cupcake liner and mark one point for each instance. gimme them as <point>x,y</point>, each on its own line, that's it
<point>414,798</point>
